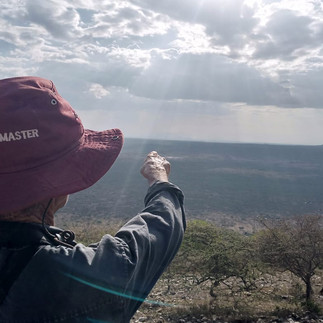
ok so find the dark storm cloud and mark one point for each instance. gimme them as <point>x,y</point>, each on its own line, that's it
<point>208,77</point>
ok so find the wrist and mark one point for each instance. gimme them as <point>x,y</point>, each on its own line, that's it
<point>152,181</point>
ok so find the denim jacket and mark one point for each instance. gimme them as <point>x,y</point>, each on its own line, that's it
<point>104,282</point>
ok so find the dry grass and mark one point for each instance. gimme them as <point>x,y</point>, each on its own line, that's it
<point>277,296</point>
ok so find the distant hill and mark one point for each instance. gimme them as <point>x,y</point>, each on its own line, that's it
<point>236,180</point>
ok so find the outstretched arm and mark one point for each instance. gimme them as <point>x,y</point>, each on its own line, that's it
<point>130,263</point>
<point>154,236</point>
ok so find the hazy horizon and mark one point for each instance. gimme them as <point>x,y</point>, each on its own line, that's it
<point>220,71</point>
<point>225,142</point>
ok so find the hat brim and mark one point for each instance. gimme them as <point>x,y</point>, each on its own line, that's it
<point>76,170</point>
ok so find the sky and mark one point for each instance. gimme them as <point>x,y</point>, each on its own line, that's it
<point>205,70</point>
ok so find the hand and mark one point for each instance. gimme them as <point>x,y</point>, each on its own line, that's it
<point>155,168</point>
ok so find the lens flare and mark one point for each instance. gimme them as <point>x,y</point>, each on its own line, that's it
<point>113,292</point>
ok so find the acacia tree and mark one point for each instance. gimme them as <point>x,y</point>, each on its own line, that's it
<point>212,254</point>
<point>295,245</point>
<point>232,255</point>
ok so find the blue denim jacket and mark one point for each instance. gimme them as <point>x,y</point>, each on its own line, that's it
<point>104,282</point>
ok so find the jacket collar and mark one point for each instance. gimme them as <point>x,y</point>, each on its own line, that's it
<point>18,234</point>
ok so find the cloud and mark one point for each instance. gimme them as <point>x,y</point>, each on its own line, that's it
<point>141,60</point>
<point>226,22</point>
<point>86,85</point>
<point>284,34</point>
<point>98,91</point>
<point>61,21</point>
<point>208,78</point>
<point>307,88</point>
<point>129,21</point>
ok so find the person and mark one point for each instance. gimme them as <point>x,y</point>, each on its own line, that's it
<point>45,276</point>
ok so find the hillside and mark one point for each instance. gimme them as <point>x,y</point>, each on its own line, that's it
<point>221,181</point>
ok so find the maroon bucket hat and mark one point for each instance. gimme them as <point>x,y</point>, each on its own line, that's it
<point>44,150</point>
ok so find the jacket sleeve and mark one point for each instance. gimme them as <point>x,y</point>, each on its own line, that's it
<point>108,280</point>
<point>151,240</point>
<point>121,269</point>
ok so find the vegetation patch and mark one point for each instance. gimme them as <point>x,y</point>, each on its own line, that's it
<point>220,275</point>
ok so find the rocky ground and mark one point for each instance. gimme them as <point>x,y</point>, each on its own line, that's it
<point>182,302</point>
<point>157,316</point>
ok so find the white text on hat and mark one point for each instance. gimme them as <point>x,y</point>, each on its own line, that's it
<point>19,135</point>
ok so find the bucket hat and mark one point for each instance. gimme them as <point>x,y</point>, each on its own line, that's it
<point>44,150</point>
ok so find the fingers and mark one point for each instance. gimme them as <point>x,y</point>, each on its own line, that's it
<point>155,167</point>
<point>153,158</point>
<point>166,164</point>
<point>152,154</point>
